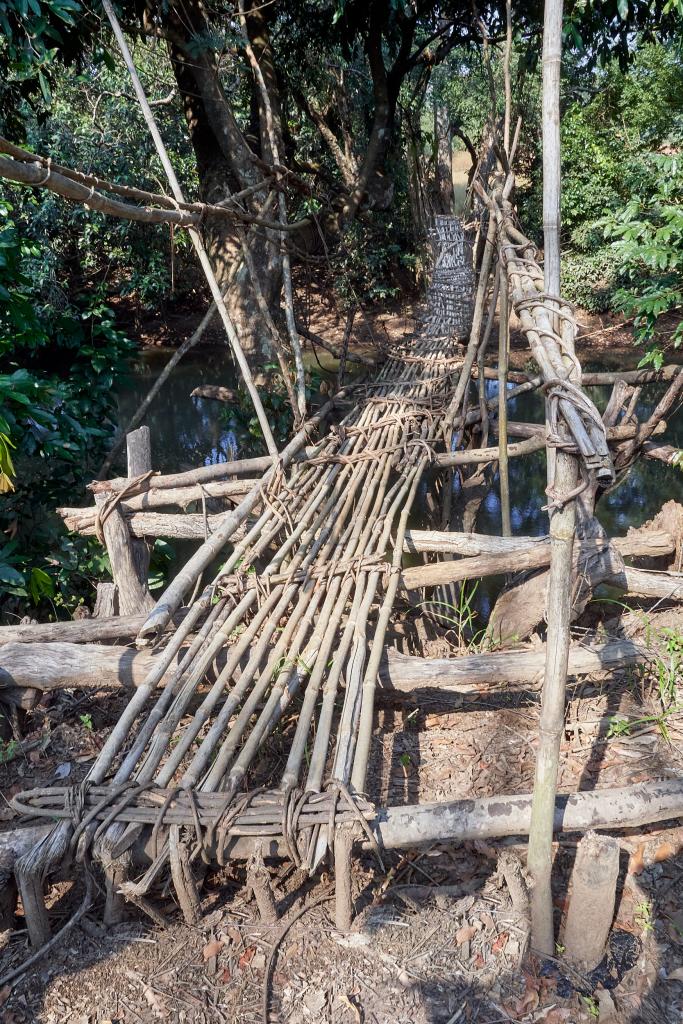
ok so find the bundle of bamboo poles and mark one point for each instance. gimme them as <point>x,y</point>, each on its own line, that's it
<point>300,630</point>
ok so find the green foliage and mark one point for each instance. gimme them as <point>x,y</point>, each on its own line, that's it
<point>92,123</point>
<point>590,279</point>
<point>59,364</point>
<point>648,235</point>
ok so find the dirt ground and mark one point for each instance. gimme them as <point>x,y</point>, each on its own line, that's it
<point>436,938</point>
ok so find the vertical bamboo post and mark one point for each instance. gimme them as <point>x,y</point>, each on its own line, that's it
<point>503,465</point>
<point>216,293</point>
<point>506,78</point>
<point>562,528</point>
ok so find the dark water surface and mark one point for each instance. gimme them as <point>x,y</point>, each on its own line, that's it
<point>189,432</point>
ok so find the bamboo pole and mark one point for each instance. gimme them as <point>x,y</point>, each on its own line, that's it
<point>194,234</point>
<point>562,529</point>
<point>503,347</point>
<point>506,78</point>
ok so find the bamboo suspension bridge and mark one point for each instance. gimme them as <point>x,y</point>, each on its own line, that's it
<point>297,616</point>
<point>298,613</point>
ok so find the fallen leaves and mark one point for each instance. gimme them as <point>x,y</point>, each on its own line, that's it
<point>212,948</point>
<point>465,933</point>
<point>247,957</point>
<point>344,999</point>
<point>156,1002</point>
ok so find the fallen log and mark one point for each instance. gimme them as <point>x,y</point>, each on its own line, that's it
<point>503,557</point>
<point>407,673</point>
<point>83,518</point>
<point>497,816</point>
<point>79,631</point>
<point>52,666</point>
<point>173,525</point>
<point>215,392</point>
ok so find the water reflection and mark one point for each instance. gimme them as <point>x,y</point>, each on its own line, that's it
<point>186,432</point>
<point>638,498</point>
<point>189,432</point>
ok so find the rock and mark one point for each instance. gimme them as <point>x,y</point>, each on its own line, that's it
<point>606,1008</point>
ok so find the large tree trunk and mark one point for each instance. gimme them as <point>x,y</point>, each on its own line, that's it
<point>226,164</point>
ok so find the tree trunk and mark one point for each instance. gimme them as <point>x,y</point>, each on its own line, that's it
<point>225,165</point>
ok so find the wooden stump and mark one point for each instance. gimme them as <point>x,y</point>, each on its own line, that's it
<point>591,905</point>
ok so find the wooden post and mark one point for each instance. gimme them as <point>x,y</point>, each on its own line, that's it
<point>343,852</point>
<point>133,598</point>
<point>139,451</point>
<point>562,528</point>
<point>129,558</point>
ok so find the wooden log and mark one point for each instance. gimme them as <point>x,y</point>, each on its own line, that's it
<point>661,452</point>
<point>464,675</point>
<point>497,816</point>
<point>622,432</point>
<point>201,475</point>
<point>79,631</point>
<point>12,846</point>
<point>133,596</point>
<point>51,666</point>
<point>534,440</point>
<point>173,525</point>
<point>106,601</point>
<point>591,905</point>
<point>83,518</point>
<point>449,541</point>
<point>601,377</point>
<point>415,825</point>
<point>519,610</point>
<point>215,392</point>
<point>60,664</point>
<point>534,554</point>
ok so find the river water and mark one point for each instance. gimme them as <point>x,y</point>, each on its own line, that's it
<point>189,432</point>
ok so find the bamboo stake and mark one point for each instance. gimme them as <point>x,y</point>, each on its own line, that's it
<point>503,348</point>
<point>562,528</point>
<point>216,294</point>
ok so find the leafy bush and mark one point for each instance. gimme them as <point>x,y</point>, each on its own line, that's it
<point>648,235</point>
<point>58,365</point>
<point>591,279</point>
